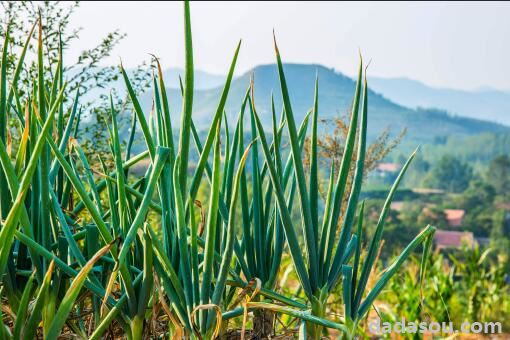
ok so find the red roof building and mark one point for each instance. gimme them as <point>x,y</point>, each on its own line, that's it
<point>388,167</point>
<point>397,206</point>
<point>453,239</point>
<point>454,217</point>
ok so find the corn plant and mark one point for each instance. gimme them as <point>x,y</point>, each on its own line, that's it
<point>406,298</point>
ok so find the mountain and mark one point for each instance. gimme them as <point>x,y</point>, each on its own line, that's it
<point>484,103</point>
<point>203,80</point>
<point>335,97</point>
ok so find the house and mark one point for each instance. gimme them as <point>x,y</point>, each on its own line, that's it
<point>388,167</point>
<point>453,239</point>
<point>384,169</point>
<point>427,191</point>
<point>397,206</point>
<point>505,206</point>
<point>454,217</point>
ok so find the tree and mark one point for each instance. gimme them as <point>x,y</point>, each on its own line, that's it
<point>479,194</point>
<point>498,174</point>
<point>331,148</point>
<point>419,170</point>
<point>450,174</point>
<point>433,215</point>
<point>85,75</point>
<point>499,234</point>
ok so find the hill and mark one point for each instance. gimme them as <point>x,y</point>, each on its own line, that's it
<point>203,80</point>
<point>335,96</point>
<point>486,103</point>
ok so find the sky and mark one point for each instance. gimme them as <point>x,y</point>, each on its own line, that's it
<point>450,45</point>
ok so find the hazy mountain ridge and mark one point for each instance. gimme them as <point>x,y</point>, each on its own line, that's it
<point>487,103</point>
<point>335,97</point>
<point>202,80</point>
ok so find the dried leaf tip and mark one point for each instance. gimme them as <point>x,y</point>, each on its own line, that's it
<point>275,44</point>
<point>366,68</point>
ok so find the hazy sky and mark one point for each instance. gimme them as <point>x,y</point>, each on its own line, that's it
<point>460,45</point>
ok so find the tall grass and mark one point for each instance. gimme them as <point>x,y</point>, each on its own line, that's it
<point>76,241</point>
